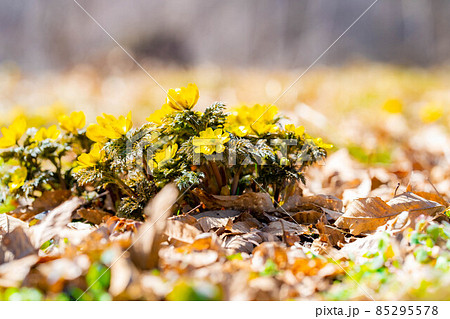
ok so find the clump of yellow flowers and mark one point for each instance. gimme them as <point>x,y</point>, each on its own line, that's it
<point>245,149</point>
<point>32,161</point>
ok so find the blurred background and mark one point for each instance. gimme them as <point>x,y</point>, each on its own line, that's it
<point>385,81</point>
<point>54,34</point>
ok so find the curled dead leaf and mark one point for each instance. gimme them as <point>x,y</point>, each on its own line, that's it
<point>412,202</point>
<point>208,223</point>
<point>49,200</point>
<point>277,228</point>
<point>181,231</point>
<point>365,215</point>
<point>55,221</point>
<point>13,273</point>
<point>299,203</point>
<point>94,216</point>
<point>253,202</point>
<point>147,242</point>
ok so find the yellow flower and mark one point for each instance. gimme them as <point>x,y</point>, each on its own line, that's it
<point>18,178</point>
<point>158,116</point>
<point>46,133</point>
<point>263,128</point>
<point>259,119</point>
<point>161,157</point>
<point>92,158</point>
<point>319,142</point>
<point>73,122</point>
<point>211,141</point>
<point>13,133</point>
<point>109,127</point>
<point>183,98</point>
<point>393,106</point>
<point>298,131</point>
<point>431,113</point>
<point>240,131</point>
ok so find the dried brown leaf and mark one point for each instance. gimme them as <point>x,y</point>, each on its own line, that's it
<point>188,219</point>
<point>414,203</point>
<point>94,216</point>
<point>48,201</point>
<point>13,273</point>
<point>307,217</point>
<point>298,203</point>
<point>254,202</point>
<point>55,221</point>
<point>218,214</point>
<point>365,215</point>
<point>433,197</point>
<point>147,242</point>
<point>9,223</point>
<point>242,243</point>
<point>180,231</point>
<point>276,228</point>
<point>18,243</point>
<point>208,223</point>
<point>122,273</point>
<point>330,235</point>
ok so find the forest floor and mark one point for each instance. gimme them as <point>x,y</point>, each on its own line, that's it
<point>371,222</point>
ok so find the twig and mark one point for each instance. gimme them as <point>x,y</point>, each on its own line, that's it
<point>199,205</point>
<point>396,189</point>
<point>435,189</point>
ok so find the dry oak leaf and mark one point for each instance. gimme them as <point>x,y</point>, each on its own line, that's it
<point>94,216</point>
<point>208,223</point>
<point>204,241</point>
<point>13,273</point>
<point>16,243</point>
<point>330,235</point>
<point>413,203</point>
<point>433,197</point>
<point>307,217</point>
<point>316,202</point>
<point>184,218</point>
<point>276,229</point>
<point>171,258</point>
<point>14,240</point>
<point>48,200</point>
<point>254,202</point>
<point>9,223</point>
<point>244,243</point>
<point>147,242</point>
<point>55,221</point>
<point>365,215</point>
<point>218,214</point>
<point>181,231</point>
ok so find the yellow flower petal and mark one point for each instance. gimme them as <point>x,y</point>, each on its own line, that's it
<point>73,122</point>
<point>183,98</point>
<point>109,127</point>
